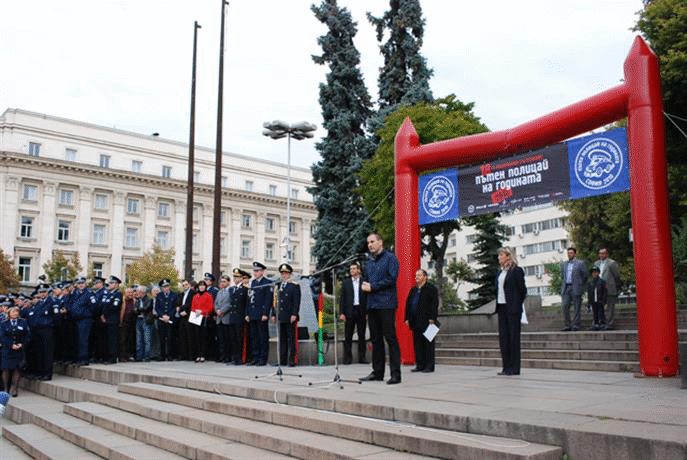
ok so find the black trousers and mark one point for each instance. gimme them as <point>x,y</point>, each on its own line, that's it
<point>424,350</point>
<point>509,339</point>
<point>355,321</point>
<point>236,342</point>
<point>382,324</point>
<point>259,341</point>
<point>287,343</point>
<point>165,332</point>
<point>224,342</point>
<point>42,351</point>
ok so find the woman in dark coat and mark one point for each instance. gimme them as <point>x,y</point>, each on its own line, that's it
<point>511,293</point>
<point>14,335</point>
<point>422,307</point>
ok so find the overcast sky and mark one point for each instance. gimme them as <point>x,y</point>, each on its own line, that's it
<point>127,63</point>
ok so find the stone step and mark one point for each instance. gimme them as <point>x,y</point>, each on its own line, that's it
<point>567,364</point>
<point>48,415</point>
<point>492,342</point>
<point>9,450</point>
<point>215,414</point>
<point>40,444</point>
<point>562,353</point>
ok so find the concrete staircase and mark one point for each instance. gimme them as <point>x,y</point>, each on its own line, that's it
<point>113,413</point>
<point>544,346</point>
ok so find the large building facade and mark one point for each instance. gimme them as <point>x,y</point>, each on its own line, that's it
<point>110,196</point>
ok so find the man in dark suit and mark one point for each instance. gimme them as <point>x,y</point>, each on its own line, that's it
<point>289,301</point>
<point>574,279</point>
<point>422,308</point>
<point>164,310</point>
<point>258,308</point>
<point>352,310</point>
<point>610,273</point>
<point>183,310</point>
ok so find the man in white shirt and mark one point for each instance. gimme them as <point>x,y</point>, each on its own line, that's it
<point>352,309</point>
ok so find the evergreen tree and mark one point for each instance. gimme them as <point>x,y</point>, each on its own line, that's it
<point>345,102</point>
<point>490,237</point>
<point>404,78</point>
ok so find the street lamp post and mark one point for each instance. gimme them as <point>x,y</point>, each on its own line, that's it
<point>276,130</point>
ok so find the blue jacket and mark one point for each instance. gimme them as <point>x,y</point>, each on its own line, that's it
<point>44,314</point>
<point>111,303</point>
<point>381,272</point>
<point>259,299</point>
<point>82,304</point>
<point>238,296</point>
<point>166,304</point>
<point>289,300</point>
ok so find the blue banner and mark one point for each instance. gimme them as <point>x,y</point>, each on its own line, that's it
<point>587,166</point>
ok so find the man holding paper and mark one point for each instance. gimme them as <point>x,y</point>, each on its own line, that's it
<point>422,307</point>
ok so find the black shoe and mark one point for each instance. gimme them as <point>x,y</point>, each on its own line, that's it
<point>575,328</point>
<point>417,369</point>
<point>347,362</point>
<point>393,380</point>
<point>566,329</point>
<point>370,378</point>
<point>504,372</point>
<point>363,361</point>
<point>427,370</point>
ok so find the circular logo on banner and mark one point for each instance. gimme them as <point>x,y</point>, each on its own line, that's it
<point>438,196</point>
<point>598,163</point>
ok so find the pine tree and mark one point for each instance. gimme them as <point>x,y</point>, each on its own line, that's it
<point>341,222</point>
<point>490,237</point>
<point>404,77</point>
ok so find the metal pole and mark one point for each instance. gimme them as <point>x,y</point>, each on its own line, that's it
<point>217,210</point>
<point>288,201</point>
<point>188,261</point>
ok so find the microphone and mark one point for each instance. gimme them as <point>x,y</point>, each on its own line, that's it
<point>4,399</point>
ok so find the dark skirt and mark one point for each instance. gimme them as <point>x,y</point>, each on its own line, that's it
<point>12,359</point>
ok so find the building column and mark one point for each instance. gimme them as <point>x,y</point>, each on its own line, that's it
<point>235,237</point>
<point>47,227</point>
<point>83,224</point>
<point>117,235</point>
<point>260,237</point>
<point>148,224</point>
<point>10,221</point>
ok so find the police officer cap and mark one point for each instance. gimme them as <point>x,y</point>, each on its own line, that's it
<point>236,272</point>
<point>595,269</point>
<point>80,280</point>
<point>43,287</point>
<point>285,268</point>
<point>258,266</point>
<point>98,279</point>
<point>164,282</point>
<point>245,274</point>
<point>114,279</point>
<point>209,276</point>
<point>58,285</point>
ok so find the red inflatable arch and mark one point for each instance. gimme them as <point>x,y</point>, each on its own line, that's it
<point>638,98</point>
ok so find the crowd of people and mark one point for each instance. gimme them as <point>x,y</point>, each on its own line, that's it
<point>73,324</point>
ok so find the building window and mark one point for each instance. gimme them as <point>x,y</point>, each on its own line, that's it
<point>70,154</point>
<point>24,269</point>
<point>132,206</point>
<point>293,227</point>
<point>222,246</point>
<point>294,193</point>
<point>245,249</point>
<point>471,239</point>
<point>272,190</point>
<point>26,227</point>
<point>163,210</point>
<point>100,201</point>
<point>30,193</point>
<point>131,237</point>
<point>98,234</point>
<point>136,166</point>
<point>291,253</point>
<point>194,243</point>
<point>249,186</point>
<point>98,269</point>
<point>167,171</point>
<point>269,224</point>
<point>196,213</point>
<point>269,251</point>
<point>196,176</point>
<point>34,149</point>
<point>66,197</point>
<point>223,218</point>
<point>104,160</point>
<point>163,239</point>
<point>225,181</point>
<point>246,221</point>
<point>63,227</point>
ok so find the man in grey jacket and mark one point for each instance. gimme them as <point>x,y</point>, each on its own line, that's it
<point>222,305</point>
<point>610,273</point>
<point>574,278</point>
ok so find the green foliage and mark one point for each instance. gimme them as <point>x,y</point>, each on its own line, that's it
<point>553,269</point>
<point>490,237</point>
<point>602,222</point>
<point>9,279</point>
<point>443,119</point>
<point>680,259</point>
<point>346,105</point>
<point>663,23</point>
<point>155,265</point>
<point>62,267</point>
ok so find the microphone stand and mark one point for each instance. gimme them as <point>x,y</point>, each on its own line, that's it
<point>337,380</point>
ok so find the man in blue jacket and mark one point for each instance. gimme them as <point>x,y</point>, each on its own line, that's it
<point>381,272</point>
<point>258,308</point>
<point>81,307</point>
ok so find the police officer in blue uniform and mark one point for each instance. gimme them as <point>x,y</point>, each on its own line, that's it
<point>238,295</point>
<point>81,305</point>
<point>258,311</point>
<point>42,319</point>
<point>165,310</point>
<point>14,335</point>
<point>111,304</point>
<point>96,348</point>
<point>288,306</point>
